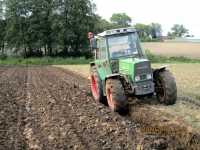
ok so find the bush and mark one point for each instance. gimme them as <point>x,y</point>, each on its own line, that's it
<point>3,57</point>
<point>44,61</point>
<point>148,39</point>
<point>155,58</point>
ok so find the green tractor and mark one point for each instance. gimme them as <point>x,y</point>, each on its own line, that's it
<point>121,69</point>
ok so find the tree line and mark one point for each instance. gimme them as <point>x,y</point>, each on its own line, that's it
<point>58,27</point>
<point>49,27</point>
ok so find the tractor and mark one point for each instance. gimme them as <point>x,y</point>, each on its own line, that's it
<point>121,69</point>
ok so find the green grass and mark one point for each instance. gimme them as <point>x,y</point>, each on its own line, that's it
<point>71,61</point>
<point>43,61</point>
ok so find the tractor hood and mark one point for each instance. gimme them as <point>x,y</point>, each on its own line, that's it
<point>133,67</point>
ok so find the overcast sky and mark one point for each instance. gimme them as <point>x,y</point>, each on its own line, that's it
<point>165,12</point>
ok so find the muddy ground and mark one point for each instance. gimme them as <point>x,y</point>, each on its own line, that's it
<point>50,108</point>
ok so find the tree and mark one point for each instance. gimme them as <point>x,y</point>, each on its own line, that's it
<point>52,26</point>
<point>156,30</point>
<point>179,30</point>
<point>149,32</point>
<point>144,31</point>
<point>102,24</point>
<point>17,14</point>
<point>76,19</point>
<point>121,19</point>
<point>2,9</point>
<point>2,27</point>
<point>2,35</point>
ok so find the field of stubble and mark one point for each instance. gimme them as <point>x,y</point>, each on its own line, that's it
<point>174,49</point>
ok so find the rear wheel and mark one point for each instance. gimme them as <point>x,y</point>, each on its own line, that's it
<point>96,86</point>
<point>116,97</point>
<point>165,88</point>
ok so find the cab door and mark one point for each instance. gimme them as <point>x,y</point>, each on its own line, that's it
<point>103,65</point>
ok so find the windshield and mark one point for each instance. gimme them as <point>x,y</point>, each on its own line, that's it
<point>124,45</point>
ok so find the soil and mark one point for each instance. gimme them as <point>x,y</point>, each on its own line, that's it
<point>50,108</point>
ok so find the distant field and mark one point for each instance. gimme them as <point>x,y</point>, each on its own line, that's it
<point>187,76</point>
<point>187,49</point>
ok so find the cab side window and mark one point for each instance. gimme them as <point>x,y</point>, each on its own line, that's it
<point>98,50</point>
<point>103,48</point>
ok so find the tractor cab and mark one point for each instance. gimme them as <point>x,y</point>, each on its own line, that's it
<point>118,43</point>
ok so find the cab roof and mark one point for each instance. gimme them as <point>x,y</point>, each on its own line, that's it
<point>117,31</point>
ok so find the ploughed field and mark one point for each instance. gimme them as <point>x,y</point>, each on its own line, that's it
<point>52,108</point>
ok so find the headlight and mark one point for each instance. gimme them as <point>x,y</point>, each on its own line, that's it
<point>149,76</point>
<point>137,78</point>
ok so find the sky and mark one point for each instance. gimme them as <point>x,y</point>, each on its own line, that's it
<point>165,12</point>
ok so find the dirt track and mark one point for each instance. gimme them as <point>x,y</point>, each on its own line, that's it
<point>49,108</point>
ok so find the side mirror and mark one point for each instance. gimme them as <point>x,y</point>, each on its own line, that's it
<point>93,43</point>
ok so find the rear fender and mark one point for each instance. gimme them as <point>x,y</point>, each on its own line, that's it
<point>113,76</point>
<point>158,70</point>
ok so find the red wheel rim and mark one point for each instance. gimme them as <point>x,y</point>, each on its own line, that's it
<point>110,99</point>
<point>94,87</point>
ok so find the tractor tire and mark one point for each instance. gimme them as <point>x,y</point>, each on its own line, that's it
<point>96,86</point>
<point>165,88</point>
<point>116,97</point>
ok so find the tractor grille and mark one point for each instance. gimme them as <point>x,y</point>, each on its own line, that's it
<point>142,69</point>
<point>143,77</point>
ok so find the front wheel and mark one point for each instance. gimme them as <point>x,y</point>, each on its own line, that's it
<point>165,88</point>
<point>116,97</point>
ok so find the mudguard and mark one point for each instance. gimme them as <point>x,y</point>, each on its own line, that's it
<point>113,76</point>
<point>158,70</point>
